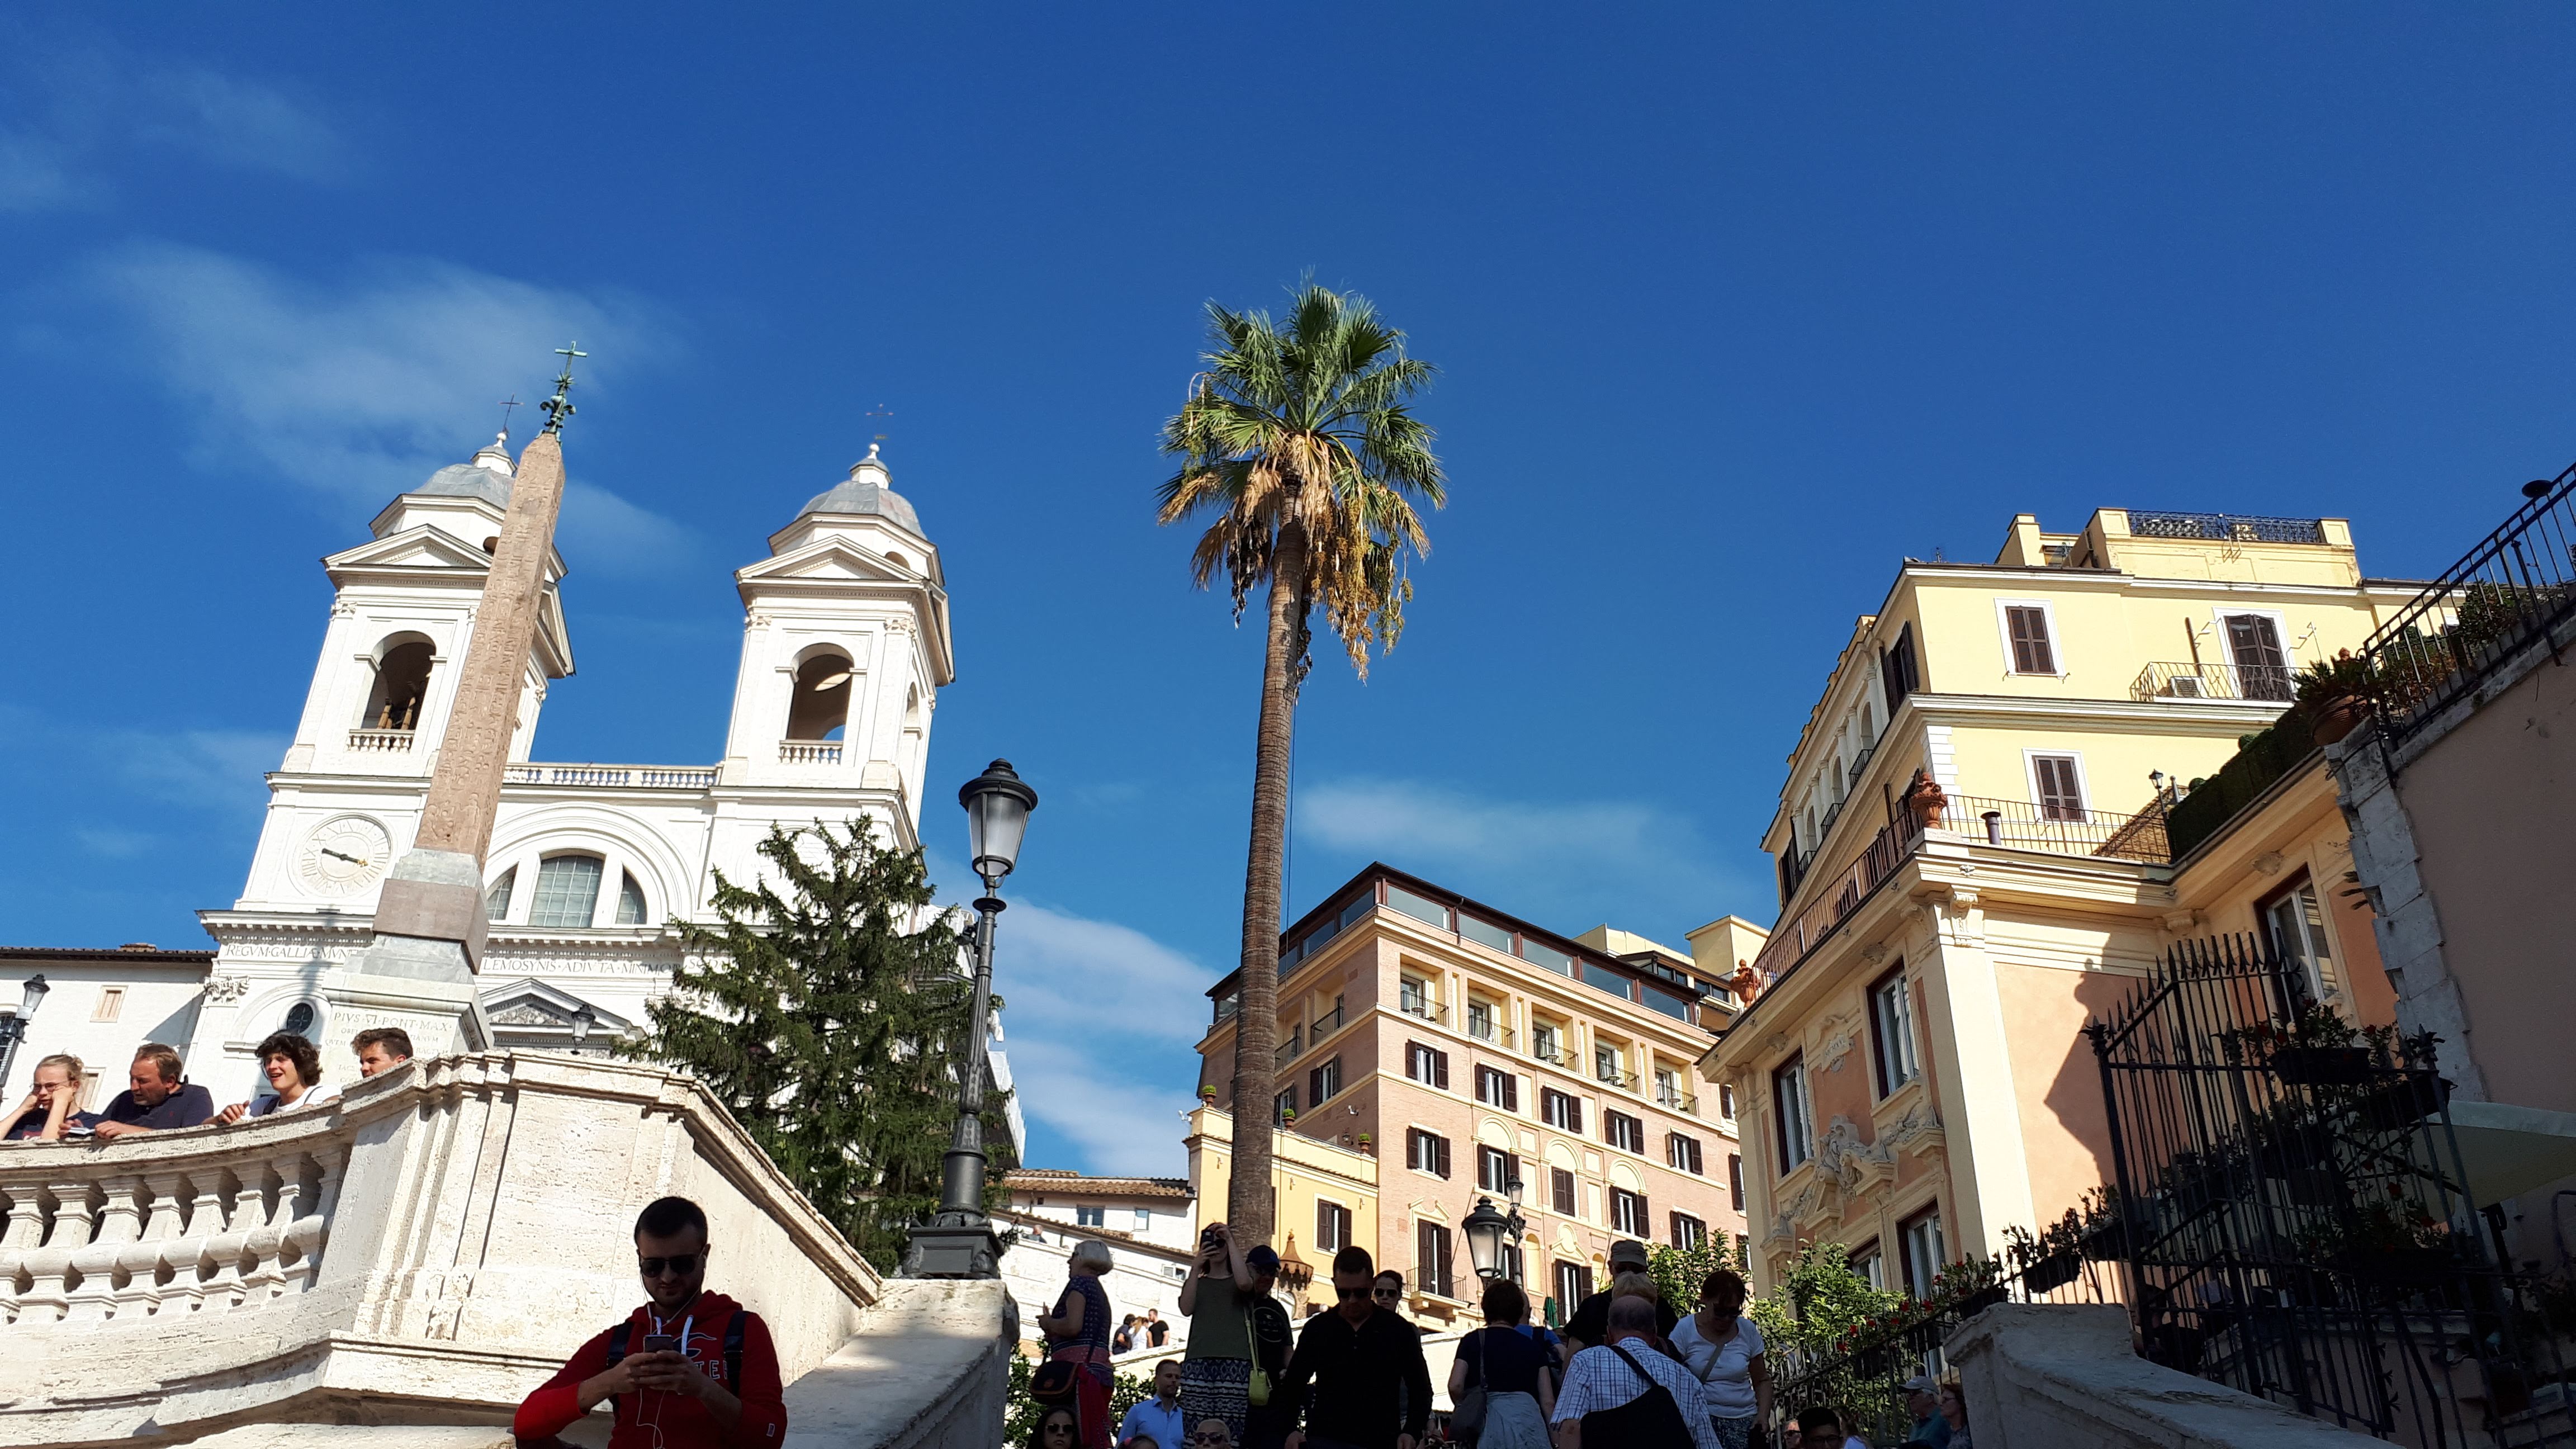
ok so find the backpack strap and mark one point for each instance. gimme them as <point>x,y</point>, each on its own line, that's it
<point>1651,1380</point>
<point>733,1350</point>
<point>618,1338</point>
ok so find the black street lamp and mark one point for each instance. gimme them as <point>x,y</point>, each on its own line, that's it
<point>1489,1232</point>
<point>958,1240</point>
<point>13,1029</point>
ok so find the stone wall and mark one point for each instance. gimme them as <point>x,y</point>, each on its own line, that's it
<point>2046,1376</point>
<point>432,1245</point>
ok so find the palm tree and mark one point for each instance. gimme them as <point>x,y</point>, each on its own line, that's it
<point>1298,440</point>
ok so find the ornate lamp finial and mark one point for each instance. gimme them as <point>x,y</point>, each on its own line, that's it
<point>559,407</point>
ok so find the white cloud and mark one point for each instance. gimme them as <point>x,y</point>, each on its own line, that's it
<point>215,768</point>
<point>1098,977</point>
<point>363,387</point>
<point>114,844</point>
<point>1072,1082</point>
<point>75,114</point>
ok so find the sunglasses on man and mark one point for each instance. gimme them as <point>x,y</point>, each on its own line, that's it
<point>1388,1295</point>
<point>677,1266</point>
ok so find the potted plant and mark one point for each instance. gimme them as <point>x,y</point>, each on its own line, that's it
<point>1364,1144</point>
<point>2331,694</point>
<point>2315,1048</point>
<point>1208,1095</point>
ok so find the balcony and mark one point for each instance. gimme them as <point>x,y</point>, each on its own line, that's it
<point>388,742</point>
<point>1625,1081</point>
<point>1547,1052</point>
<point>2514,592</point>
<point>1326,1024</point>
<point>1488,1033</point>
<point>1288,1050</point>
<point>809,752</point>
<point>614,777</point>
<point>2226,683</point>
<point>306,1265</point>
<point>1415,1004</point>
<point>1677,1100</point>
<point>2059,829</point>
<point>2224,527</point>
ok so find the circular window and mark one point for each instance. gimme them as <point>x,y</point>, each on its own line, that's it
<point>299,1019</point>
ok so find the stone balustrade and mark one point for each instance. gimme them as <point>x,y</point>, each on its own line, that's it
<point>809,752</point>
<point>433,1244</point>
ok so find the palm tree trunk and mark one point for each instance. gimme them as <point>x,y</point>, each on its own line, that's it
<point>1256,1022</point>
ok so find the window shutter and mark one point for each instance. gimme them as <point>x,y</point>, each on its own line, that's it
<point>2060,798</point>
<point>1315,1085</point>
<point>1440,1069</point>
<point>1442,1143</point>
<point>2030,643</point>
<point>1511,1092</point>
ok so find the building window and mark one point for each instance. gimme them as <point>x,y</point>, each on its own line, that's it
<point>1512,1265</point>
<point>1431,1259</point>
<point>567,891</point>
<point>1668,1090</point>
<point>1897,674</point>
<point>1282,1107</point>
<point>2057,785</point>
<point>1543,1043</point>
<point>1789,1114</point>
<point>1870,1266</point>
<point>630,901</point>
<point>1332,1226</point>
<point>1573,1285</point>
<point>1726,1103</point>
<point>111,1004</point>
<point>496,901</point>
<point>819,704</point>
<point>1624,1132</point>
<point>1413,997</point>
<point>1144,1220</point>
<point>2262,665</point>
<point>1498,1089</point>
<point>1688,1232</point>
<point>401,687</point>
<point>1891,1030</point>
<point>1918,1238</point>
<point>2297,922</point>
<point>1607,1066</point>
<point>2026,631</point>
<point>1560,1192</point>
<point>1743,1254</point>
<point>1496,1170</point>
<point>1480,1020</point>
<point>1683,1153</point>
<point>1560,1110</point>
<point>1090,1216</point>
<point>1735,1180</point>
<point>1426,1064</point>
<point>1426,1152</point>
<point>1324,1082</point>
<point>1628,1212</point>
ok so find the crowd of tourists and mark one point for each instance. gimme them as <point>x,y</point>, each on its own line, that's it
<point>1627,1371</point>
<point>158,1096</point>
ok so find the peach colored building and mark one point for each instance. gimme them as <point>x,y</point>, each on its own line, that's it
<point>1912,1075</point>
<point>1467,1050</point>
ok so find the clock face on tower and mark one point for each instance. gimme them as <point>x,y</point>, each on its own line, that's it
<point>343,856</point>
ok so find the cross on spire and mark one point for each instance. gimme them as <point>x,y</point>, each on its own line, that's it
<point>508,404</point>
<point>880,411</point>
<point>559,407</point>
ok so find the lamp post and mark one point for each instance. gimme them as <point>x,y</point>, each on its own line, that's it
<point>13,1029</point>
<point>583,1019</point>
<point>1489,1231</point>
<point>958,1240</point>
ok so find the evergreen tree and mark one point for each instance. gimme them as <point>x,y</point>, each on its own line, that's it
<point>833,1027</point>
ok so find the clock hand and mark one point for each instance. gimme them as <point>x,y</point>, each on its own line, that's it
<point>351,859</point>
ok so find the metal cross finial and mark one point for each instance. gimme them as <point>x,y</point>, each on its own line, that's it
<point>559,407</point>
<point>507,405</point>
<point>880,411</point>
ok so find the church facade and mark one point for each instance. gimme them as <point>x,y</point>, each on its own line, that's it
<point>845,645</point>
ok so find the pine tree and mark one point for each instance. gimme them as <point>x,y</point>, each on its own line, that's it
<point>833,1027</point>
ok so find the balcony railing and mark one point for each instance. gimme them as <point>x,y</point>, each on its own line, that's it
<point>1423,1007</point>
<point>1860,762</point>
<point>380,741</point>
<point>2224,527</point>
<point>1677,1100</point>
<point>1494,1035</point>
<point>2057,829</point>
<point>1794,938</point>
<point>1554,1056</point>
<point>1325,1025</point>
<point>2514,591</point>
<point>614,777</point>
<point>1288,1051</point>
<point>1625,1081</point>
<point>2268,684</point>
<point>809,752</point>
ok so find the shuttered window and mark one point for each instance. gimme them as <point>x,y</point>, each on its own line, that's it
<point>2061,796</point>
<point>2028,626</point>
<point>1560,1192</point>
<point>1498,1089</point>
<point>1563,1112</point>
<point>1896,671</point>
<point>1427,1065</point>
<point>1426,1151</point>
<point>1628,1212</point>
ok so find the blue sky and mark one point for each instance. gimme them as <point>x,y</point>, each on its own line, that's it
<point>1735,306</point>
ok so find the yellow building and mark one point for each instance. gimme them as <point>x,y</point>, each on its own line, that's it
<point>1308,1179</point>
<point>1911,1079</point>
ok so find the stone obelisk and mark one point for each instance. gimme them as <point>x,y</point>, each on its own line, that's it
<point>419,971</point>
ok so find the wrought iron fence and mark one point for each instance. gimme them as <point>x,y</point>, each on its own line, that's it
<point>2225,527</point>
<point>2059,829</point>
<point>2177,679</point>
<point>2293,1215</point>
<point>2515,589</point>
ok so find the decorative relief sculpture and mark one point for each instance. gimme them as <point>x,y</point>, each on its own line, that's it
<point>1837,1034</point>
<point>223,990</point>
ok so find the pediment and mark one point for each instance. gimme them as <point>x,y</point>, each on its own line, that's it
<point>536,1004</point>
<point>419,547</point>
<point>828,560</point>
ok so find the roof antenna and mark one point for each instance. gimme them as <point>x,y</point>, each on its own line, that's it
<point>559,407</point>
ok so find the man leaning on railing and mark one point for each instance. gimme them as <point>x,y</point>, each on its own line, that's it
<point>157,1098</point>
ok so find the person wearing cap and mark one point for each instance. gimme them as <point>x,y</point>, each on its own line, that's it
<point>1265,1426</point>
<point>1590,1325</point>
<point>1923,1403</point>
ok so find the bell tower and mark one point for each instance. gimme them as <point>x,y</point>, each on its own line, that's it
<point>845,645</point>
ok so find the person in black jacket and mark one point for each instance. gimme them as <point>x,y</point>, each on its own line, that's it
<point>1357,1378</point>
<point>1266,1426</point>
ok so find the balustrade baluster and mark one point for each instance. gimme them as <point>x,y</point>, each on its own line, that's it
<point>49,1268</point>
<point>267,1230</point>
<point>307,1232</point>
<point>234,1216</point>
<point>151,1271</point>
<point>191,1266</point>
<point>118,1224</point>
<point>26,1231</point>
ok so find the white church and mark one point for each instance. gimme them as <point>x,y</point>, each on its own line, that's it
<point>845,645</point>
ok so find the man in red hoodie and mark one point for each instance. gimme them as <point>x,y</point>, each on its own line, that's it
<point>691,1369</point>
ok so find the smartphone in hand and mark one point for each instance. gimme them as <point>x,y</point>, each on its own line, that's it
<point>661,1343</point>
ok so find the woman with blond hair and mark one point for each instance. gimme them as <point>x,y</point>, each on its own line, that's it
<point>52,1104</point>
<point>1724,1351</point>
<point>1077,1332</point>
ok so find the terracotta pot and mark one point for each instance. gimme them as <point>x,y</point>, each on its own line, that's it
<point>2338,717</point>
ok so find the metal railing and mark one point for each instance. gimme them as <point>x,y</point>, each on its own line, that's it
<point>1288,1051</point>
<point>809,752</point>
<point>370,741</point>
<point>1491,1034</point>
<point>2265,683</point>
<point>1678,1101</point>
<point>613,777</point>
<point>1793,939</point>
<point>2515,590</point>
<point>1325,1025</point>
<point>1554,1056</point>
<point>2224,527</point>
<point>1624,1080</point>
<point>1860,762</point>
<point>1422,1007</point>
<point>2059,829</point>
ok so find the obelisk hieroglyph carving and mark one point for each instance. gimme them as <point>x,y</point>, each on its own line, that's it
<point>430,924</point>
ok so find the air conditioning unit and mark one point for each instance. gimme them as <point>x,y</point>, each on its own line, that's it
<point>2184,686</point>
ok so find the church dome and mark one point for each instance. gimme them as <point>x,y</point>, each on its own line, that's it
<point>487,477</point>
<point>868,490</point>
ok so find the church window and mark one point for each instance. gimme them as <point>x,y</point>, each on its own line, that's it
<point>496,901</point>
<point>402,687</point>
<point>821,704</point>
<point>630,902</point>
<point>567,891</point>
